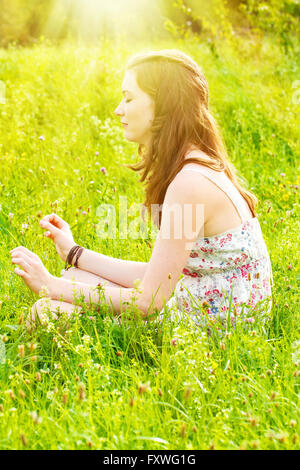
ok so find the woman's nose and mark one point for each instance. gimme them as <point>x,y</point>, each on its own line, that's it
<point>118,111</point>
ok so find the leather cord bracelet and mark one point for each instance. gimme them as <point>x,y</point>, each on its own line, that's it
<point>75,250</point>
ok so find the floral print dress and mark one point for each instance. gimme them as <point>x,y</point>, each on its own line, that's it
<point>231,270</point>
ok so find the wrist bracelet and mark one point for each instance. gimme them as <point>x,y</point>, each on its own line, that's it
<point>77,249</point>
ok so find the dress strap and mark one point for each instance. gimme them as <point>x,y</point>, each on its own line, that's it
<point>227,187</point>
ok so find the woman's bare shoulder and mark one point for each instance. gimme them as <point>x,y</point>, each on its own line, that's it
<point>192,184</point>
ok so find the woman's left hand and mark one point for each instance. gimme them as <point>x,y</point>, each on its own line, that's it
<point>34,273</point>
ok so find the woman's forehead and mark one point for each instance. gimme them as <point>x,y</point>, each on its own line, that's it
<point>129,82</point>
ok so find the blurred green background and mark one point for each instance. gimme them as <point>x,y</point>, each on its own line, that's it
<point>25,21</point>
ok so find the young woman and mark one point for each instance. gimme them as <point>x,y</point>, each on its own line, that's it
<point>184,166</point>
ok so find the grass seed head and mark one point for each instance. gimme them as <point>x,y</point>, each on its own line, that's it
<point>187,393</point>
<point>21,349</point>
<point>143,388</point>
<point>24,439</point>
<point>81,391</point>
<point>183,430</point>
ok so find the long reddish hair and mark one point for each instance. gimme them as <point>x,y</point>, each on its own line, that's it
<point>182,120</point>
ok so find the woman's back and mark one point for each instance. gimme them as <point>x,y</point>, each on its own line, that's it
<point>235,259</point>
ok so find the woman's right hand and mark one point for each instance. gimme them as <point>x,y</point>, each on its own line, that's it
<point>59,231</point>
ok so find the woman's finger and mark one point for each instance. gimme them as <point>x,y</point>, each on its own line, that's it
<point>21,254</point>
<point>54,219</point>
<point>21,273</point>
<point>21,262</point>
<point>25,251</point>
<point>49,227</point>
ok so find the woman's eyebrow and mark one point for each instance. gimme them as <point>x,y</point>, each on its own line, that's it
<point>126,91</point>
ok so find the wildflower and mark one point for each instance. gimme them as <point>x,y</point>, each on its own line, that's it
<point>222,346</point>
<point>34,358</point>
<point>32,346</point>
<point>159,391</point>
<point>103,170</point>
<point>250,320</point>
<point>25,226</point>
<point>131,402</point>
<point>290,267</point>
<point>269,372</point>
<point>44,292</point>
<point>272,396</point>
<point>174,342</point>
<point>120,354</point>
<point>4,338</point>
<point>38,377</point>
<point>194,428</point>
<point>22,394</point>
<point>97,153</point>
<point>10,215</point>
<point>293,423</point>
<point>41,137</point>
<point>35,417</point>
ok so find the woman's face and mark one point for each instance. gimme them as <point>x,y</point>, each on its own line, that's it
<point>136,110</point>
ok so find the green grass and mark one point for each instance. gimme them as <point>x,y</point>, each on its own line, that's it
<point>237,388</point>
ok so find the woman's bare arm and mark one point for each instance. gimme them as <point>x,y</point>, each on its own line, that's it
<point>122,272</point>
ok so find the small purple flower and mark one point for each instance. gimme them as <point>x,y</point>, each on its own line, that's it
<point>103,169</point>
<point>96,153</point>
<point>251,320</point>
<point>41,137</point>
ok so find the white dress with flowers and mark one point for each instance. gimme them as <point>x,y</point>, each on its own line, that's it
<point>229,271</point>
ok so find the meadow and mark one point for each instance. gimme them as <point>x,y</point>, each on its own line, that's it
<point>100,385</point>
